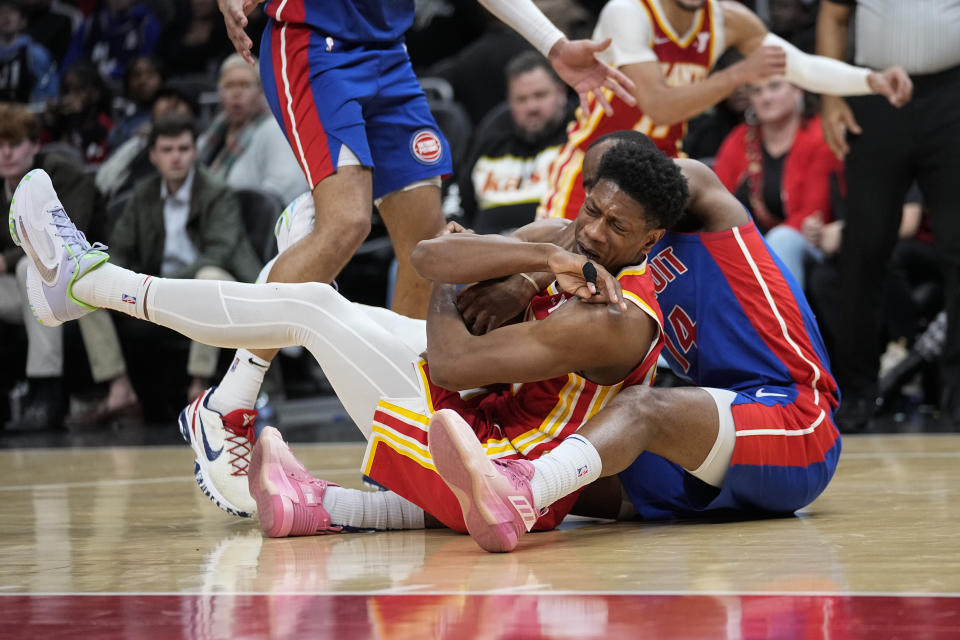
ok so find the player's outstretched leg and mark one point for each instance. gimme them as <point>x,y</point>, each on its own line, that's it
<point>58,251</point>
<point>208,423</point>
<point>60,254</point>
<point>495,495</point>
<point>289,499</point>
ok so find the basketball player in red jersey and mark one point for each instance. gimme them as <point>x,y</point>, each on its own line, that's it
<point>667,48</point>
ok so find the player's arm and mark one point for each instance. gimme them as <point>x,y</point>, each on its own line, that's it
<point>833,32</point>
<point>601,341</point>
<point>629,26</point>
<point>461,258</point>
<point>815,73</point>
<point>575,62</point>
<point>489,304</point>
<point>710,202</point>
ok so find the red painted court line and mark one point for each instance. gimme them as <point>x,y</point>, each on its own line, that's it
<point>458,616</point>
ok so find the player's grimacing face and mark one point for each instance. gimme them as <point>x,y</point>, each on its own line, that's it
<point>612,228</point>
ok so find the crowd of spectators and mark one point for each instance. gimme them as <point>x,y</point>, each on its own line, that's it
<point>149,125</point>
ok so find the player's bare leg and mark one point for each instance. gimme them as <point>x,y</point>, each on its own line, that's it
<point>681,425</point>
<point>343,202</point>
<point>678,424</point>
<point>411,216</point>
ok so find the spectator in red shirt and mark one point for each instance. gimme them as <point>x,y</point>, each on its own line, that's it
<point>780,168</point>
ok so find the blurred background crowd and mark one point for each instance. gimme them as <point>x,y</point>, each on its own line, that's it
<point>148,124</point>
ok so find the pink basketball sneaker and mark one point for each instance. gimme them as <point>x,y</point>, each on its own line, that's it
<point>289,499</point>
<point>494,495</point>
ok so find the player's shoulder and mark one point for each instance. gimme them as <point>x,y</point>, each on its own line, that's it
<point>739,22</point>
<point>638,288</point>
<point>618,10</point>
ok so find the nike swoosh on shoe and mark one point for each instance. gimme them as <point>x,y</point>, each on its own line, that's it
<point>48,275</point>
<point>207,449</point>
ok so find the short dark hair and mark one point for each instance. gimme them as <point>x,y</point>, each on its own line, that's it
<point>526,62</point>
<point>171,125</point>
<point>648,176</point>
<point>625,135</point>
<point>169,92</point>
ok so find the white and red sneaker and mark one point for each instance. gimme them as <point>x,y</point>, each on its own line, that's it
<point>289,499</point>
<point>222,444</point>
<point>494,495</point>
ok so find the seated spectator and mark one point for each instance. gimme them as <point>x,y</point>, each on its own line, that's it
<point>195,42</point>
<point>19,153</point>
<point>707,131</point>
<point>514,146</point>
<point>52,24</point>
<point>141,82</point>
<point>476,71</point>
<point>131,160</point>
<point>244,146</point>
<point>114,35</point>
<point>183,223</point>
<point>779,167</point>
<point>81,117</point>
<point>27,71</point>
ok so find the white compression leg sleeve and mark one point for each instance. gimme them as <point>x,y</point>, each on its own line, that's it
<point>362,361</point>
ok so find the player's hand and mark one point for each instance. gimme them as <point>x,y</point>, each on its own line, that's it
<point>893,84</point>
<point>765,61</point>
<point>577,64</point>
<point>490,304</point>
<point>453,227</point>
<point>235,14</point>
<point>568,267</point>
<point>836,119</point>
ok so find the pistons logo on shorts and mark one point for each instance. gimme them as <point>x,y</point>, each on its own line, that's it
<point>426,147</point>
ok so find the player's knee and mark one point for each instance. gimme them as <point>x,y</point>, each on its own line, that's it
<point>349,228</point>
<point>643,407</point>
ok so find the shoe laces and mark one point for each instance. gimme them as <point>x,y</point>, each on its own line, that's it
<point>240,445</point>
<point>514,472</point>
<point>74,239</point>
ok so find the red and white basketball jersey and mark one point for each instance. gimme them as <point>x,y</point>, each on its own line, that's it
<point>684,60</point>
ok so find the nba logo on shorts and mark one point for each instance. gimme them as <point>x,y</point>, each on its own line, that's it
<point>426,147</point>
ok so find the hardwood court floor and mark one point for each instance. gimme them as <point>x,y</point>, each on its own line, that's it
<point>120,543</point>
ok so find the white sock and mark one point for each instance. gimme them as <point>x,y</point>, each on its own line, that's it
<point>371,509</point>
<point>572,464</point>
<point>241,383</point>
<point>112,287</point>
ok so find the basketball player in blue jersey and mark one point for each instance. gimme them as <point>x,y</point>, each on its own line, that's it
<point>755,436</point>
<point>338,80</point>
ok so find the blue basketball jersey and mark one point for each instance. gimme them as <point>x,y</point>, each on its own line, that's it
<point>734,317</point>
<point>356,21</point>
